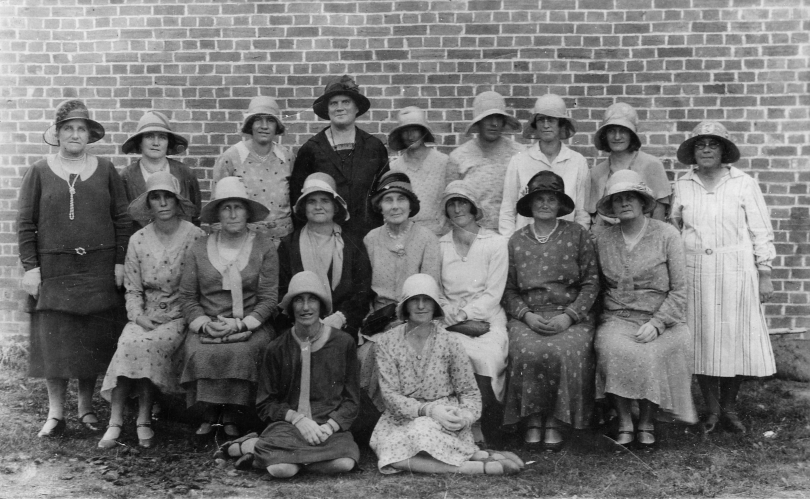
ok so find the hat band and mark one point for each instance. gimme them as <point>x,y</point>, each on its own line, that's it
<point>318,185</point>
<point>627,187</point>
<point>401,185</point>
<point>158,125</point>
<point>76,114</point>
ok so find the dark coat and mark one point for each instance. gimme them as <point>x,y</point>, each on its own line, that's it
<point>189,187</point>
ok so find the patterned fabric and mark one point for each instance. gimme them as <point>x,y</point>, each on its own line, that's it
<point>441,373</point>
<point>428,180</point>
<point>727,233</point>
<point>135,185</point>
<point>551,375</point>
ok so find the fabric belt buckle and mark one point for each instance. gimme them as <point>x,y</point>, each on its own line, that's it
<point>80,251</point>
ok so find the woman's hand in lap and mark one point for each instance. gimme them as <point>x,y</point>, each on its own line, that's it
<point>313,433</point>
<point>534,321</point>
<point>448,417</point>
<point>555,325</point>
<point>646,333</point>
<point>145,322</point>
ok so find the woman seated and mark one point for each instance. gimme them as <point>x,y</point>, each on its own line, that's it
<point>308,392</point>
<point>552,284</point>
<point>643,346</point>
<point>475,262</point>
<point>322,246</point>
<point>430,394</point>
<point>142,363</point>
<point>228,291</point>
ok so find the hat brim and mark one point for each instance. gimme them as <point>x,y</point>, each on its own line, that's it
<point>326,302</point>
<point>300,212</point>
<point>247,125</point>
<point>139,207</point>
<point>604,206</point>
<point>524,204</point>
<point>210,212</point>
<point>567,130</point>
<point>130,146</point>
<point>97,131</point>
<point>321,104</point>
<point>602,145</point>
<point>479,212</point>
<point>686,151</point>
<point>511,124</point>
<point>438,311</point>
<point>414,201</point>
<point>395,142</point>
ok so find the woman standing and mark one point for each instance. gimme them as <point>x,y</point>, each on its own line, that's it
<point>728,237</point>
<point>73,229</point>
<point>142,363</point>
<point>553,282</point>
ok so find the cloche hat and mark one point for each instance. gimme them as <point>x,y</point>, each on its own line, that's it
<point>394,181</point>
<point>73,110</point>
<point>625,181</point>
<point>232,188</point>
<point>307,281</point>
<point>262,106</point>
<point>489,103</point>
<point>343,85</point>
<point>544,181</point>
<point>415,285</point>
<point>320,182</point>
<point>713,130</point>
<point>409,116</point>
<point>619,114</point>
<point>553,106</point>
<point>159,181</point>
<point>460,189</point>
<point>154,121</point>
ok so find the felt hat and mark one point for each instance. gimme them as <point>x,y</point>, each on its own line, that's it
<point>625,181</point>
<point>342,85</point>
<point>460,189</point>
<point>709,130</point>
<point>154,121</point>
<point>232,188</point>
<point>553,106</point>
<point>73,110</point>
<point>159,181</point>
<point>544,181</point>
<point>415,285</point>
<point>262,106</point>
<point>487,104</point>
<point>409,116</point>
<point>394,181</point>
<point>307,281</point>
<point>619,114</point>
<point>320,182</point>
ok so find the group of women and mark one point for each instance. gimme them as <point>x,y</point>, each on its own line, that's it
<point>508,288</point>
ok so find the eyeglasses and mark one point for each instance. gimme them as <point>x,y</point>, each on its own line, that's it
<point>711,144</point>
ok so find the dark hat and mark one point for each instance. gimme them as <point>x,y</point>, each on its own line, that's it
<point>150,122</point>
<point>395,182</point>
<point>545,181</point>
<point>344,85</point>
<point>713,130</point>
<point>73,110</point>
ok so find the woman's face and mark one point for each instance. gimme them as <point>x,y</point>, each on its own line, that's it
<point>412,136</point>
<point>73,136</point>
<point>162,204</point>
<point>708,153</point>
<point>459,211</point>
<point>263,130</point>
<point>618,138</point>
<point>548,128</point>
<point>342,110</point>
<point>545,206</point>
<point>154,145</point>
<point>233,215</point>
<point>320,208</point>
<point>627,206</point>
<point>420,309</point>
<point>306,309</point>
<point>491,127</point>
<point>395,207</point>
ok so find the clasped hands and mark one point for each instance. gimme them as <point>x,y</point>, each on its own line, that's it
<point>312,432</point>
<point>451,418</point>
<point>223,330</point>
<point>555,325</point>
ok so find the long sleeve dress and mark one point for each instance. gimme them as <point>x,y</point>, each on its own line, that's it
<point>474,284</point>
<point>226,373</point>
<point>551,375</point>
<point>152,274</point>
<point>442,373</point>
<point>135,185</point>
<point>77,259</point>
<point>727,235</point>
<point>645,283</point>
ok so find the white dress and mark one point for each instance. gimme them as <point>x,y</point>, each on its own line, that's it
<point>474,284</point>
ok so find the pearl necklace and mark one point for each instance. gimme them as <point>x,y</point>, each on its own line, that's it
<point>399,248</point>
<point>544,239</point>
<point>72,185</point>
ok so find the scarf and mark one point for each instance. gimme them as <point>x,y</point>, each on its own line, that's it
<point>307,348</point>
<point>229,269</point>
<point>316,257</point>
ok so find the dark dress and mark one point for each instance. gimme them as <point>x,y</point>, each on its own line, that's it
<point>353,293</point>
<point>551,375</point>
<point>334,394</point>
<point>63,344</point>
<point>354,176</point>
<point>135,185</point>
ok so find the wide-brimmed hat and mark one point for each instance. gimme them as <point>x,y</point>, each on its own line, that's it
<point>409,116</point>
<point>625,181</point>
<point>154,121</point>
<point>307,281</point>
<point>460,189</point>
<point>262,106</point>
<point>394,181</point>
<point>159,181</point>
<point>415,285</point>
<point>73,110</point>
<point>341,85</point>
<point>320,182</point>
<point>232,188</point>
<point>712,130</point>
<point>619,114</point>
<point>553,106</point>
<point>489,103</point>
<point>544,181</point>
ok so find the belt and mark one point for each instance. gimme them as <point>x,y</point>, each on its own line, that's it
<point>720,249</point>
<point>81,251</point>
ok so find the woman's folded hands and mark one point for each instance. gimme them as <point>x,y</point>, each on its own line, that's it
<point>555,325</point>
<point>224,330</point>
<point>451,418</point>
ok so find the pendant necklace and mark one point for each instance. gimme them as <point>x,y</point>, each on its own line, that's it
<point>72,185</point>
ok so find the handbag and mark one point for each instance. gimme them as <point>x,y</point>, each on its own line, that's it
<point>376,321</point>
<point>79,294</point>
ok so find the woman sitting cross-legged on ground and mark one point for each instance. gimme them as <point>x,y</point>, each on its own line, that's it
<point>643,346</point>
<point>430,394</point>
<point>308,391</point>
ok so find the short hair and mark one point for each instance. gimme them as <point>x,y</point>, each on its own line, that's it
<point>635,142</point>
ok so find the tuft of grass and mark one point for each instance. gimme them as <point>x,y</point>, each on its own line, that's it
<point>14,355</point>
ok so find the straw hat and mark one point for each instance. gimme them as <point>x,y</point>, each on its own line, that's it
<point>73,110</point>
<point>320,182</point>
<point>394,181</point>
<point>232,188</point>
<point>553,106</point>
<point>153,121</point>
<point>711,130</point>
<point>625,181</point>
<point>307,281</point>
<point>409,116</point>
<point>343,85</point>
<point>545,181</point>
<point>460,189</point>
<point>489,103</point>
<point>619,114</point>
<point>159,181</point>
<point>415,285</point>
<point>262,106</point>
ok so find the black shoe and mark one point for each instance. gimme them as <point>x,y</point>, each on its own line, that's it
<point>56,431</point>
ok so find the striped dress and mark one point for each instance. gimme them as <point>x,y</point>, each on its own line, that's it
<point>727,234</point>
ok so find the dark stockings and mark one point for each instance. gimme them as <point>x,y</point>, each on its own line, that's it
<point>491,412</point>
<point>719,393</point>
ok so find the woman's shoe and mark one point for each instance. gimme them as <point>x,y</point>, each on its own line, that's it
<point>625,438</point>
<point>109,443</point>
<point>206,428</point>
<point>533,435</point>
<point>231,429</point>
<point>551,444</point>
<point>732,422</point>
<point>645,438</point>
<point>244,459</point>
<point>710,422</point>
<point>90,425</point>
<point>54,432</point>
<point>146,443</point>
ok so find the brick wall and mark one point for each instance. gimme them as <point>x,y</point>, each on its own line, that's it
<point>743,62</point>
